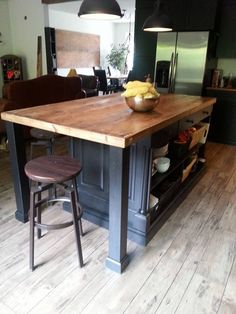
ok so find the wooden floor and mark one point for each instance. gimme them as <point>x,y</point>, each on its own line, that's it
<point>188,267</point>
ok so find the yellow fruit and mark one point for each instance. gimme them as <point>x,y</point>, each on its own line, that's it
<point>140,90</point>
<point>132,92</point>
<point>136,84</point>
<point>153,91</point>
<point>149,96</point>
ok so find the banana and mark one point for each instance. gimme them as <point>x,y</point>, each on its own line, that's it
<point>149,96</point>
<point>132,92</point>
<point>153,91</point>
<point>136,84</point>
<point>140,89</point>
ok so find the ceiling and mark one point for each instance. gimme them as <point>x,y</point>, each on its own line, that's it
<point>73,7</point>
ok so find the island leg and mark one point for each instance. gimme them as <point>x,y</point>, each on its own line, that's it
<point>18,161</point>
<point>117,259</point>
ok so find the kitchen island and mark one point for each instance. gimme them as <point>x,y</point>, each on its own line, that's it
<point>107,123</point>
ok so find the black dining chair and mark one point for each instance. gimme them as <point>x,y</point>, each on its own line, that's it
<point>104,87</point>
<point>113,81</point>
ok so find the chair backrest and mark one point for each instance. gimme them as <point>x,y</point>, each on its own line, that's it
<point>90,84</point>
<point>45,89</point>
<point>101,74</point>
<point>109,70</point>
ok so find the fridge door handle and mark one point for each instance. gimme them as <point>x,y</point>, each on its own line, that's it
<point>174,73</point>
<point>171,73</point>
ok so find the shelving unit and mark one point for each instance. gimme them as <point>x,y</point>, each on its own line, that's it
<point>165,186</point>
<point>11,68</point>
<point>157,178</point>
<point>184,188</point>
<point>50,42</point>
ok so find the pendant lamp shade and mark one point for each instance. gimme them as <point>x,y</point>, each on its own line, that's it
<point>100,9</point>
<point>159,21</point>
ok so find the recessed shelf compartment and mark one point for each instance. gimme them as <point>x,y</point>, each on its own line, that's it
<point>179,191</point>
<point>157,178</point>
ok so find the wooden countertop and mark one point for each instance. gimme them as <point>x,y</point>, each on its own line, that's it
<point>107,119</point>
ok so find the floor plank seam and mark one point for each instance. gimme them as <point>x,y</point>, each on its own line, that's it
<point>151,272</point>
<point>226,283</point>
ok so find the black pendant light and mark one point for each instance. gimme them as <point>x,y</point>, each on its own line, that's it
<point>100,10</point>
<point>159,21</point>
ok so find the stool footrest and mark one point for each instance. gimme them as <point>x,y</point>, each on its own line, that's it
<point>55,226</point>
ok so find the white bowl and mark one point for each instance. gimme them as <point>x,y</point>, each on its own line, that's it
<point>162,164</point>
<point>160,151</point>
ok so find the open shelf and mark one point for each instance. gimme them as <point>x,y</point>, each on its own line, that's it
<point>162,214</point>
<point>157,178</point>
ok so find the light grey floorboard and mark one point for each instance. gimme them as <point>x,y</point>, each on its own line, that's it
<point>188,267</point>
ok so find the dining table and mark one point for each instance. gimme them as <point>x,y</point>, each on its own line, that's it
<point>101,119</point>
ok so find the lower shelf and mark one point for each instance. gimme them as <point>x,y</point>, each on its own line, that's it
<point>178,196</point>
<point>167,191</point>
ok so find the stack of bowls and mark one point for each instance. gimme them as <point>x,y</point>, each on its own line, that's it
<point>162,164</point>
<point>160,151</point>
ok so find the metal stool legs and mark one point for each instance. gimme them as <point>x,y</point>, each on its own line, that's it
<point>36,202</point>
<point>32,225</point>
<point>76,225</point>
<point>78,206</point>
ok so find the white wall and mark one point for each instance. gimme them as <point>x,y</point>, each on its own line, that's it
<point>110,33</point>
<point>22,21</point>
<point>27,19</point>
<point>228,66</point>
<point>121,32</point>
<point>5,29</point>
<point>72,22</point>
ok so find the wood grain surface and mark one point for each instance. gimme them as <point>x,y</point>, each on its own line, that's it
<point>107,119</point>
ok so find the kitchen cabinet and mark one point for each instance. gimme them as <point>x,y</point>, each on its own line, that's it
<point>193,15</point>
<point>169,187</point>
<point>223,118</point>
<point>226,47</point>
<point>144,42</point>
<point>187,15</point>
<point>116,151</point>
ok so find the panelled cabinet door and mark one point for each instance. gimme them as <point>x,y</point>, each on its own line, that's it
<point>226,47</point>
<point>223,119</point>
<point>178,14</point>
<point>202,15</point>
<point>192,15</point>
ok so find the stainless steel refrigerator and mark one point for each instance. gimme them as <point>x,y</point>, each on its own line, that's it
<point>181,62</point>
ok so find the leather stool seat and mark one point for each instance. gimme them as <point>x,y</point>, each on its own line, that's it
<point>47,172</point>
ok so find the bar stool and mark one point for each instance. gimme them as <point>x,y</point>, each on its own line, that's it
<point>45,172</point>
